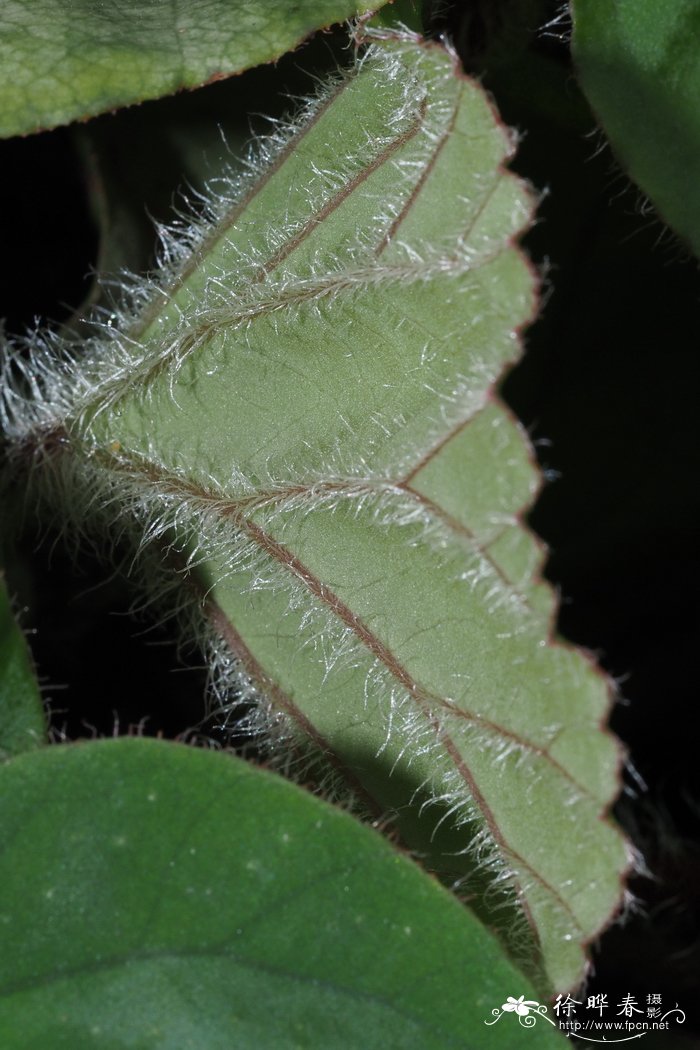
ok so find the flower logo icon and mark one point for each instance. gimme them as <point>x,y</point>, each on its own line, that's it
<point>528,1011</point>
<point>520,1006</point>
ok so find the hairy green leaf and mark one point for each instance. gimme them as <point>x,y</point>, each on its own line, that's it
<point>63,60</point>
<point>154,895</point>
<point>22,722</point>
<point>639,65</point>
<point>304,408</point>
<point>141,159</point>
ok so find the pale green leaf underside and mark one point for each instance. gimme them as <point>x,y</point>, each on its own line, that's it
<point>310,408</point>
<point>22,722</point>
<point>639,65</point>
<point>157,896</point>
<point>62,60</point>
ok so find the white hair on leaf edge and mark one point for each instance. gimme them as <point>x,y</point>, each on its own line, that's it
<point>52,390</point>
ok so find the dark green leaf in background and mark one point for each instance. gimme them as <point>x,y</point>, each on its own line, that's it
<point>157,896</point>
<point>639,65</point>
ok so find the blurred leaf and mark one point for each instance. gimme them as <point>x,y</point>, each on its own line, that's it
<point>408,13</point>
<point>22,721</point>
<point>639,65</point>
<point>63,60</point>
<point>159,896</point>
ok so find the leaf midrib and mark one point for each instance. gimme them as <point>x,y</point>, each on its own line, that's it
<point>423,698</point>
<point>299,290</point>
<point>234,510</point>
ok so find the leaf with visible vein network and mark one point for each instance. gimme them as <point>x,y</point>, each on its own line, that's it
<point>64,60</point>
<point>302,406</point>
